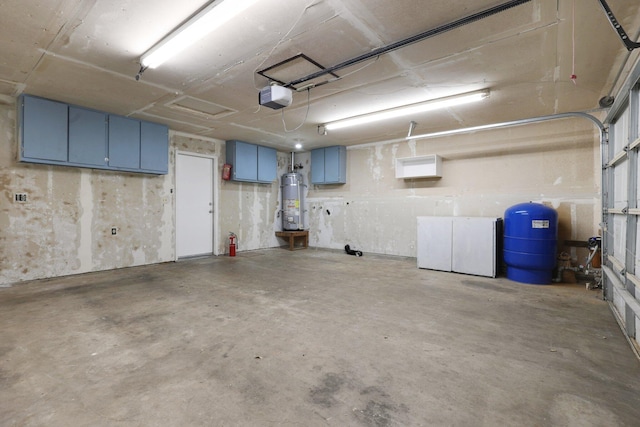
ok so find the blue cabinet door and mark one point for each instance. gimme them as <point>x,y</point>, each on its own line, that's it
<point>87,137</point>
<point>243,157</point>
<point>267,164</point>
<point>317,166</point>
<point>43,128</point>
<point>154,147</point>
<point>335,165</point>
<point>124,142</point>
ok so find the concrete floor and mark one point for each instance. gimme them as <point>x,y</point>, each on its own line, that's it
<point>310,338</point>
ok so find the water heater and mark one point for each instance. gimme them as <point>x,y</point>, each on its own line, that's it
<point>292,189</point>
<point>292,201</point>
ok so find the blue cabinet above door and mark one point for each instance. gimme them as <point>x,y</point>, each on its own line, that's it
<point>251,162</point>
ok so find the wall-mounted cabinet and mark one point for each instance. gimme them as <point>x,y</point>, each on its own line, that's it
<point>44,129</point>
<point>124,142</point>
<point>429,166</point>
<point>329,165</point>
<point>251,162</point>
<point>154,147</point>
<point>53,132</point>
<point>87,137</point>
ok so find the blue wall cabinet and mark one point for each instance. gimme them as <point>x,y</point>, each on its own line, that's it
<point>124,142</point>
<point>243,158</point>
<point>329,165</point>
<point>87,137</point>
<point>267,164</point>
<point>56,133</point>
<point>46,141</point>
<point>251,162</point>
<point>154,147</point>
<point>317,166</point>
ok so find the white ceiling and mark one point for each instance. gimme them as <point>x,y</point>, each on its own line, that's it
<point>87,52</point>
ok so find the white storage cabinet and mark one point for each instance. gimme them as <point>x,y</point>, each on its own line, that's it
<point>469,245</point>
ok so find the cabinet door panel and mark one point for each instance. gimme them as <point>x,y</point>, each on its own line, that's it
<point>87,137</point>
<point>44,129</point>
<point>154,147</point>
<point>331,164</point>
<point>267,164</point>
<point>474,246</point>
<point>317,166</point>
<point>124,142</point>
<point>335,165</point>
<point>435,243</point>
<point>246,161</point>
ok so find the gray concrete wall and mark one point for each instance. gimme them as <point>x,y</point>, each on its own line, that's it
<point>65,226</point>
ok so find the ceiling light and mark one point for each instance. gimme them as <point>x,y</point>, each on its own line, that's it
<point>420,107</point>
<point>298,146</point>
<point>195,28</point>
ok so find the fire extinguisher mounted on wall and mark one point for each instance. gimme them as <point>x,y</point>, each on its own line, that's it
<point>226,172</point>
<point>232,244</point>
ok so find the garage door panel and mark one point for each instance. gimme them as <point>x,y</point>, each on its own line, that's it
<point>637,190</point>
<point>637,256</point>
<point>618,303</point>
<point>620,241</point>
<point>620,186</point>
<point>621,132</point>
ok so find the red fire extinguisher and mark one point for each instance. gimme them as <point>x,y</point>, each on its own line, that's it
<point>232,244</point>
<point>226,172</point>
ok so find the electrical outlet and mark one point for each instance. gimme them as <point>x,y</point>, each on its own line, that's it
<point>114,231</point>
<point>20,197</point>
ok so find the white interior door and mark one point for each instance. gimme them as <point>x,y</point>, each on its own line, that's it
<point>194,205</point>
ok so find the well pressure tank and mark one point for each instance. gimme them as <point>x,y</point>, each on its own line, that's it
<point>530,236</point>
<point>292,201</point>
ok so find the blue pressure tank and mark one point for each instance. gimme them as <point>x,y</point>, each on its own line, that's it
<point>530,236</point>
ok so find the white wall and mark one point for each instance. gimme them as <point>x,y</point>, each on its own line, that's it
<point>556,163</point>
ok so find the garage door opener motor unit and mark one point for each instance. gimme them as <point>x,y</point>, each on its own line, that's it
<point>275,97</point>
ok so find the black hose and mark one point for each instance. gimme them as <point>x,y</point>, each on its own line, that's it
<point>350,251</point>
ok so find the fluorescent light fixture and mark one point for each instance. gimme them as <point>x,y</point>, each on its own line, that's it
<point>421,107</point>
<point>195,28</point>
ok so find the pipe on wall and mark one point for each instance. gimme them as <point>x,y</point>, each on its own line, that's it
<point>520,122</point>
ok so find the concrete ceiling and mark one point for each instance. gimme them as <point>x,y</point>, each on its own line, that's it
<point>87,52</point>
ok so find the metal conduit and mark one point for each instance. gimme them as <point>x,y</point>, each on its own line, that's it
<point>520,122</point>
<point>419,37</point>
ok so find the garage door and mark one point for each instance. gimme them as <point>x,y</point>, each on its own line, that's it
<point>620,201</point>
